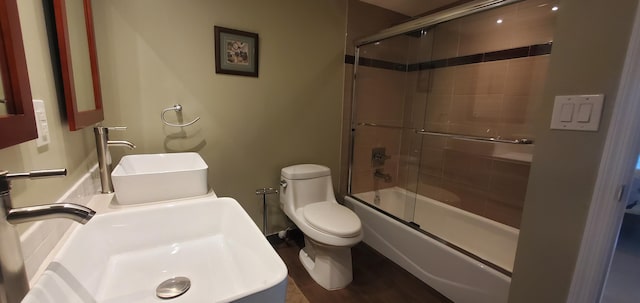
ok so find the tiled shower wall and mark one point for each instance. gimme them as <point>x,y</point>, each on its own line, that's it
<point>471,76</point>
<point>364,19</point>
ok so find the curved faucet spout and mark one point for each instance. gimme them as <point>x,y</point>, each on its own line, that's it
<point>121,143</point>
<point>75,212</point>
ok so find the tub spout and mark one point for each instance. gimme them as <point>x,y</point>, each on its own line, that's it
<point>379,174</point>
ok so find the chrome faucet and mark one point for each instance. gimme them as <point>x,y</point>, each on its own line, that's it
<point>104,161</point>
<point>379,174</point>
<point>14,284</point>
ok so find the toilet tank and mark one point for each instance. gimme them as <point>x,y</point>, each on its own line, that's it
<point>306,183</point>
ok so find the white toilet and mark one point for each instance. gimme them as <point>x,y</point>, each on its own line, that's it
<point>330,229</point>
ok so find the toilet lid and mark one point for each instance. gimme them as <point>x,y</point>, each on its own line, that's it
<point>332,218</point>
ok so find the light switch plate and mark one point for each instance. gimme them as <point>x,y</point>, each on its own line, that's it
<point>41,123</point>
<point>585,115</point>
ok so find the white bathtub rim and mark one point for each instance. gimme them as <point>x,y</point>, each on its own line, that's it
<point>437,239</point>
<point>471,286</point>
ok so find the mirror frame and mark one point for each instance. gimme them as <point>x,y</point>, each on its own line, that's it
<point>20,125</point>
<point>77,119</point>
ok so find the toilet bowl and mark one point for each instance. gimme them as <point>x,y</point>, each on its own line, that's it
<point>330,229</point>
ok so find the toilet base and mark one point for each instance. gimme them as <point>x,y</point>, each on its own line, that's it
<point>329,266</point>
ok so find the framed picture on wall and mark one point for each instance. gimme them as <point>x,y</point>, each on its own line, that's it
<point>236,52</point>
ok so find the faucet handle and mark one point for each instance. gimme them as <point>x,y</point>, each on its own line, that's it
<point>117,128</point>
<point>36,174</point>
<point>6,177</point>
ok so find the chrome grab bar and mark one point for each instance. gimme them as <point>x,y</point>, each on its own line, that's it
<point>178,109</point>
<point>453,136</point>
<point>472,138</point>
<point>379,125</point>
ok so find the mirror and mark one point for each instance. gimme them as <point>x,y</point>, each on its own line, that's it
<point>78,63</point>
<point>17,120</point>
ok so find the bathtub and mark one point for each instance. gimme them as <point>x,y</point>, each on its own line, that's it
<point>477,271</point>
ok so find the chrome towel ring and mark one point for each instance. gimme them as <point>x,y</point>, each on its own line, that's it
<point>178,109</point>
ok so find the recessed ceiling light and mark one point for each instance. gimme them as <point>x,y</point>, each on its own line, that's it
<point>377,43</point>
<point>555,8</point>
<point>499,21</point>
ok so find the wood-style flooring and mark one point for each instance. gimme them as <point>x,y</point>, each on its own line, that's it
<point>375,279</point>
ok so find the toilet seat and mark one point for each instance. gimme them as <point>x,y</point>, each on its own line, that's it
<point>332,218</point>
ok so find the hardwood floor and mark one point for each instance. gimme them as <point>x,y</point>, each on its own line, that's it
<point>375,279</point>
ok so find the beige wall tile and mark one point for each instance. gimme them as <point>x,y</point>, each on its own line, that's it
<point>471,199</point>
<point>442,81</point>
<point>475,115</point>
<point>534,23</point>
<point>468,169</point>
<point>395,49</point>
<point>503,213</point>
<point>423,81</point>
<point>415,102</point>
<point>438,109</point>
<point>481,33</point>
<point>364,181</point>
<point>446,40</point>
<point>526,76</point>
<point>518,115</point>
<point>480,78</point>
<point>367,138</point>
<point>509,182</point>
<point>432,161</point>
<point>408,175</point>
<point>380,96</point>
<point>422,48</point>
<point>476,148</point>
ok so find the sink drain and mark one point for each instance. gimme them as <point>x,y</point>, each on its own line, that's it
<point>173,288</point>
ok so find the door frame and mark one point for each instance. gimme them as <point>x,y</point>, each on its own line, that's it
<point>616,169</point>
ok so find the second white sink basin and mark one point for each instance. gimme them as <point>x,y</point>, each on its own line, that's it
<point>124,255</point>
<point>157,177</point>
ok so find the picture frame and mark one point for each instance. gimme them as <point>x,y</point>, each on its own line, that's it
<point>236,51</point>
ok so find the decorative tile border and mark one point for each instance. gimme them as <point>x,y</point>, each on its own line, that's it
<point>349,59</point>
<point>512,53</point>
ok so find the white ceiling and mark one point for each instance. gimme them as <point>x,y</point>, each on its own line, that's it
<point>410,7</point>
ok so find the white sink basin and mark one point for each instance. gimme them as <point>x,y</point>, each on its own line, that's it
<point>123,256</point>
<point>158,177</point>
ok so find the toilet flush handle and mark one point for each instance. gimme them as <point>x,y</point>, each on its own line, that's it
<point>283,184</point>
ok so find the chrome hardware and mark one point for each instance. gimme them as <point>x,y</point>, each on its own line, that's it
<point>379,174</point>
<point>264,192</point>
<point>36,174</point>
<point>13,277</point>
<point>75,212</point>
<point>178,109</point>
<point>104,160</point>
<point>283,184</point>
<point>379,156</point>
<point>379,125</point>
<point>173,288</point>
<point>472,138</point>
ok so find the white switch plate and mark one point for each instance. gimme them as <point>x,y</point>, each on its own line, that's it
<point>41,123</point>
<point>585,116</point>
